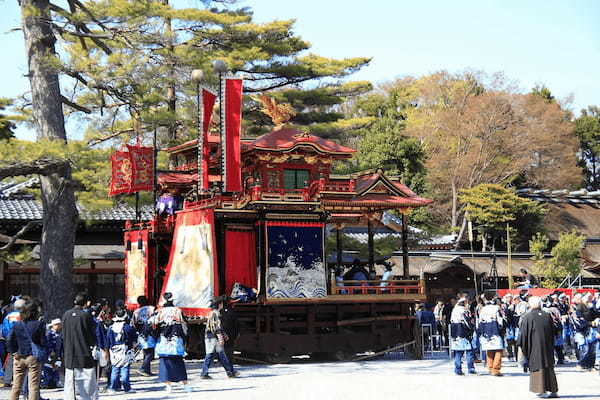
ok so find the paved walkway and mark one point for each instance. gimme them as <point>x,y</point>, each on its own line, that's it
<point>380,380</point>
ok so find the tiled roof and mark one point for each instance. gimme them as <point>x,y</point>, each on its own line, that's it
<point>581,196</point>
<point>18,208</point>
<point>92,251</point>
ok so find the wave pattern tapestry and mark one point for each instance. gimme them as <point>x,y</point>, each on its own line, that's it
<point>295,266</point>
<point>191,271</point>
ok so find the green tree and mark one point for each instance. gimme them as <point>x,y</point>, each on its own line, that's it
<point>492,207</point>
<point>542,91</point>
<point>320,109</point>
<point>7,126</point>
<point>565,257</point>
<point>587,129</point>
<point>384,144</point>
<point>125,65</point>
<point>139,76</point>
<point>383,247</point>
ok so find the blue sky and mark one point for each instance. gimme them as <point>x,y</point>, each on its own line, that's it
<point>554,42</point>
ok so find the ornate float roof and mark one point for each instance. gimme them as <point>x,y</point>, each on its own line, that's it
<point>375,192</point>
<point>286,139</point>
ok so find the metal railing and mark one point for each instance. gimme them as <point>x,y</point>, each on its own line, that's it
<point>432,342</point>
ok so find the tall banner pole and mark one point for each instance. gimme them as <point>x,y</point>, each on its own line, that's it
<point>200,149</point>
<point>470,230</point>
<point>222,112</point>
<point>509,261</point>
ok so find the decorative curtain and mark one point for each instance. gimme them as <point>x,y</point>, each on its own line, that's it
<point>240,259</point>
<point>137,267</point>
<point>295,264</point>
<point>191,273</point>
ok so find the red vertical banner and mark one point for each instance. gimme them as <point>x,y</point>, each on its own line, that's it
<point>142,161</point>
<point>208,103</point>
<point>122,173</point>
<point>232,110</point>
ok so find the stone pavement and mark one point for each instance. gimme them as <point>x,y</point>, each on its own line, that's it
<point>378,379</point>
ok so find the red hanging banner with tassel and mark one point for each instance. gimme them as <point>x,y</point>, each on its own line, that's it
<point>132,170</point>
<point>231,153</point>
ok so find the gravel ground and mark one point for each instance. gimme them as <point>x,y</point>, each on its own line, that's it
<point>379,379</point>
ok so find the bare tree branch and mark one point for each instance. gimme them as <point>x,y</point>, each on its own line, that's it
<point>24,230</point>
<point>99,140</point>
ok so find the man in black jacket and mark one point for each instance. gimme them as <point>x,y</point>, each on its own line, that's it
<point>537,341</point>
<point>78,339</point>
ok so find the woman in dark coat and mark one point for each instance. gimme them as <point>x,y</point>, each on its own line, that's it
<point>536,339</point>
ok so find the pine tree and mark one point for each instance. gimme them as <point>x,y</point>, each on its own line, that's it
<point>149,48</point>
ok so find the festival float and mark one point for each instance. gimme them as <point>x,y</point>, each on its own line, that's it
<point>251,220</point>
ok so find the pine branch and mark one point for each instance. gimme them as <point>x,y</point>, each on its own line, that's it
<point>75,105</point>
<point>43,166</point>
<point>13,239</point>
<point>99,140</point>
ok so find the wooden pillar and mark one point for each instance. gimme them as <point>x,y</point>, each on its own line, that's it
<point>371,246</point>
<point>405,269</point>
<point>338,243</point>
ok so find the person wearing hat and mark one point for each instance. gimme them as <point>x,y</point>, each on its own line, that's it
<point>54,349</point>
<point>121,338</point>
<point>461,335</point>
<point>170,346</point>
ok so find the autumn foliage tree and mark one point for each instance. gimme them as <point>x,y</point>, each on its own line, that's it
<point>480,129</point>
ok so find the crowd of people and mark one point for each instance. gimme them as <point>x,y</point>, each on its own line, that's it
<point>93,341</point>
<point>535,332</point>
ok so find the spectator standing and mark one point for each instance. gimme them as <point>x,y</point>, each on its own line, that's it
<point>26,341</point>
<point>11,318</point>
<point>121,338</point>
<point>580,319</point>
<point>170,347</point>
<point>231,327</point>
<point>537,342</point>
<point>461,334</point>
<point>491,338</point>
<point>54,350</point>
<point>79,337</point>
<point>214,343</point>
<point>146,334</point>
